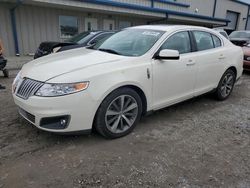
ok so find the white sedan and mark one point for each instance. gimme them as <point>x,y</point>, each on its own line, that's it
<point>137,70</point>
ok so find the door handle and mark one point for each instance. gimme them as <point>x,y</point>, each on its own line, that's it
<point>190,63</point>
<point>222,56</point>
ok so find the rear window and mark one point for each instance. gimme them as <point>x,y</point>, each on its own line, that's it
<point>224,34</point>
<point>217,41</point>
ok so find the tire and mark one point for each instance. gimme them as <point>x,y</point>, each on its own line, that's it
<point>112,122</point>
<point>226,85</point>
<point>6,73</point>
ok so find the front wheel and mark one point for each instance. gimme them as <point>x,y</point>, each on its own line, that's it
<point>226,85</point>
<point>119,113</point>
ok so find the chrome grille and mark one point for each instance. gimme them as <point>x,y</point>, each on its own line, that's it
<point>28,88</point>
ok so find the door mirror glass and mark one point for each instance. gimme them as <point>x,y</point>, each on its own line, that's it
<point>168,54</point>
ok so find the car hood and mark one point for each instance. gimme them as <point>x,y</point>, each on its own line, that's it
<point>57,64</point>
<point>48,46</point>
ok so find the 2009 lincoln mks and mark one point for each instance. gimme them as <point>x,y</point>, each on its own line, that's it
<point>139,69</point>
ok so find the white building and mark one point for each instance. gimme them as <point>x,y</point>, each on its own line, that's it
<point>26,23</point>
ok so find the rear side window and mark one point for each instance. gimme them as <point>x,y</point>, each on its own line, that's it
<point>224,34</point>
<point>203,40</point>
<point>217,41</point>
<point>179,41</point>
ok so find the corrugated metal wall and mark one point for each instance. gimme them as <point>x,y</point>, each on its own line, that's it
<point>39,23</point>
<point>224,5</point>
<point>6,30</point>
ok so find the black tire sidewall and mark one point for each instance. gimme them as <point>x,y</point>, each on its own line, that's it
<point>218,90</point>
<point>100,123</point>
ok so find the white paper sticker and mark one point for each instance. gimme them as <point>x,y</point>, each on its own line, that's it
<point>151,33</point>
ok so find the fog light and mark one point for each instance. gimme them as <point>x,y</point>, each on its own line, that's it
<point>59,122</point>
<point>63,122</point>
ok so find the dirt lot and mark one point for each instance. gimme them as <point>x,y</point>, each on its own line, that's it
<point>199,143</point>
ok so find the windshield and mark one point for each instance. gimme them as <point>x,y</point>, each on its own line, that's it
<point>130,42</point>
<point>240,34</point>
<point>82,37</point>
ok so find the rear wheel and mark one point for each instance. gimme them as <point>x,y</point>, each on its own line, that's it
<point>119,113</point>
<point>226,85</point>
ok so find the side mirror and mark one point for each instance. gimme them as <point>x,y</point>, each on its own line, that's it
<point>168,55</point>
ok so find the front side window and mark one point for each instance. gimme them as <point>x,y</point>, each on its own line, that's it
<point>68,26</point>
<point>179,41</point>
<point>203,40</point>
<point>131,42</point>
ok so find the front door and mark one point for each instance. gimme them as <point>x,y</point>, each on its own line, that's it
<point>174,80</point>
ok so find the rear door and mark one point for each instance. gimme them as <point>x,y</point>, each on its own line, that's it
<point>210,61</point>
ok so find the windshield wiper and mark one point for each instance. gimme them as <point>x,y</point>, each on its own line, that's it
<point>109,51</point>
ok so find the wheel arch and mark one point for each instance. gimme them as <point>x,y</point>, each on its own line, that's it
<point>136,88</point>
<point>142,95</point>
<point>233,68</point>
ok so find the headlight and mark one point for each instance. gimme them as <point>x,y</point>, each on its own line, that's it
<point>16,82</point>
<point>52,90</point>
<point>56,49</point>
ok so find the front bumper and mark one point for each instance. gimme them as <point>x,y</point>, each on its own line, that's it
<point>80,107</point>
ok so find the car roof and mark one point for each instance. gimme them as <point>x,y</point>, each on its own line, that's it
<point>168,27</point>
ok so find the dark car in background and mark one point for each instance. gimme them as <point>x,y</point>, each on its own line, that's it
<point>88,38</point>
<point>246,64</point>
<point>242,39</point>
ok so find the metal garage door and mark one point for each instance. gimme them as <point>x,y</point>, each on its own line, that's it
<point>248,23</point>
<point>233,17</point>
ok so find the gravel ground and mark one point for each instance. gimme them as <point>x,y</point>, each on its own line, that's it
<point>198,143</point>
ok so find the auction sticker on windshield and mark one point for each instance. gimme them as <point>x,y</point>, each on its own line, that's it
<point>152,33</point>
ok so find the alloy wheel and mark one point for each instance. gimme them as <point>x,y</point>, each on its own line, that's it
<point>227,85</point>
<point>121,114</point>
